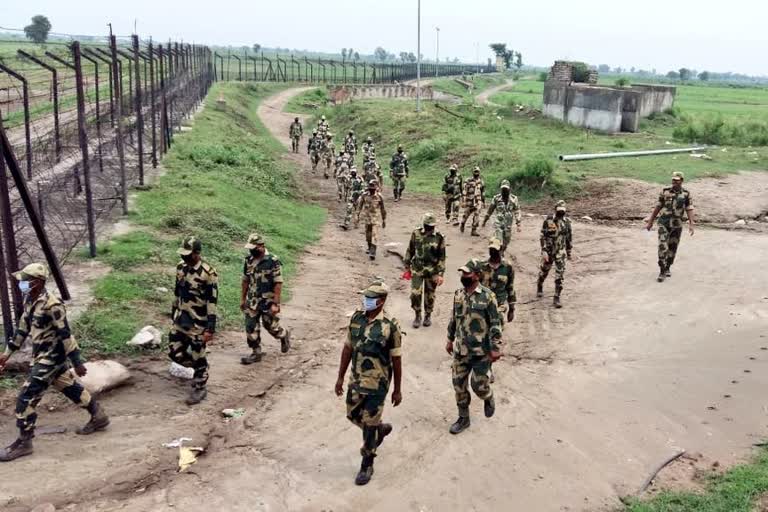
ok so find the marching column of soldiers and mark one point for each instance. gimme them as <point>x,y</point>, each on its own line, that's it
<point>481,307</point>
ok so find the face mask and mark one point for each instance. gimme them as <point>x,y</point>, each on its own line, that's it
<point>370,303</point>
<point>504,192</point>
<point>428,229</point>
<point>560,215</point>
<point>466,281</point>
<point>257,252</point>
<point>495,255</point>
<point>24,287</point>
<point>188,259</point>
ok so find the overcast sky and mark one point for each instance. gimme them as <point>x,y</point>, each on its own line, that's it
<point>660,34</point>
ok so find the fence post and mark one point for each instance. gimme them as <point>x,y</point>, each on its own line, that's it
<point>98,110</point>
<point>119,118</point>
<point>9,233</point>
<point>153,106</point>
<point>5,299</point>
<point>139,109</point>
<point>27,122</point>
<point>55,92</point>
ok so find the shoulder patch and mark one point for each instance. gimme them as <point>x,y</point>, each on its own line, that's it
<point>208,268</point>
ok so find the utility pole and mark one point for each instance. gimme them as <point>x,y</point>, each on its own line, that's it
<point>477,56</point>
<point>418,57</point>
<point>437,51</point>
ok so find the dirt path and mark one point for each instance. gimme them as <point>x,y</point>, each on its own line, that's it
<point>589,398</point>
<point>484,97</point>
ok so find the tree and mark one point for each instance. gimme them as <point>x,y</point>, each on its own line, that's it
<point>456,60</point>
<point>632,69</point>
<point>380,53</point>
<point>357,55</point>
<point>411,57</point>
<point>673,75</point>
<point>580,71</point>
<point>622,82</point>
<point>518,60</point>
<point>404,56</point>
<point>604,68</point>
<point>618,70</point>
<point>256,48</point>
<point>38,30</point>
<point>343,54</point>
<point>704,76</point>
<point>500,49</point>
<point>350,52</point>
<point>685,74</point>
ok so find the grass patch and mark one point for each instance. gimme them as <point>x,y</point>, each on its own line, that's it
<point>480,83</point>
<point>529,93</point>
<point>224,180</point>
<point>308,102</point>
<point>737,490</point>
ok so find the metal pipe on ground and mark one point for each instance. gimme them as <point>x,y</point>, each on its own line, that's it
<point>621,154</point>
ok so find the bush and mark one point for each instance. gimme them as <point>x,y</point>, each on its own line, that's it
<point>622,82</point>
<point>719,132</point>
<point>429,150</point>
<point>543,76</point>
<point>534,176</point>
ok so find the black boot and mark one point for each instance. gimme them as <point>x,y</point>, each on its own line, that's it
<point>540,288</point>
<point>285,342</point>
<point>662,273</point>
<point>196,396</point>
<point>490,407</point>
<point>556,302</point>
<point>253,357</point>
<point>384,430</point>
<point>462,226</point>
<point>460,425</point>
<point>99,420</point>
<point>558,291</point>
<point>372,253</point>
<point>19,448</point>
<point>427,320</point>
<point>366,470</point>
<point>417,320</point>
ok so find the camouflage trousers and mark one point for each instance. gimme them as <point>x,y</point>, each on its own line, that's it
<point>474,212</point>
<point>559,262</point>
<point>365,411</point>
<point>41,376</point>
<point>328,159</point>
<point>349,212</point>
<point>503,233</point>
<point>425,284</point>
<point>253,331</point>
<point>189,351</point>
<point>314,157</point>
<point>669,240</point>
<point>372,234</point>
<point>295,143</point>
<point>342,187</point>
<point>398,185</point>
<point>452,206</point>
<point>466,370</point>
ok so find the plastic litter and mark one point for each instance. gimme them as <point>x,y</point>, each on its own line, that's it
<point>176,443</point>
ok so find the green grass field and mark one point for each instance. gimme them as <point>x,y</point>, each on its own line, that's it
<point>480,82</point>
<point>224,180</point>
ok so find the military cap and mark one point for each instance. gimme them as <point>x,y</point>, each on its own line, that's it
<point>322,118</point>
<point>329,135</point>
<point>353,169</point>
<point>678,175</point>
<point>454,167</point>
<point>429,219</point>
<point>295,118</point>
<point>476,170</point>
<point>494,243</point>
<point>375,290</point>
<point>560,206</point>
<point>351,132</point>
<point>399,147</point>
<point>370,139</point>
<point>32,271</point>
<point>505,184</point>
<point>254,239</point>
<point>314,130</point>
<point>473,265</point>
<point>373,183</point>
<point>190,245</point>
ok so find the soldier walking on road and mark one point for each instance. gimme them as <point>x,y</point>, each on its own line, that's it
<point>194,315</point>
<point>322,126</point>
<point>675,203</point>
<point>369,148</point>
<point>556,239</point>
<point>474,334</point>
<point>374,347</point>
<point>425,259</point>
<point>260,295</point>
<point>54,351</point>
<point>350,145</point>
<point>499,277</point>
<point>507,209</point>
<point>315,148</point>
<point>356,190</point>
<point>295,132</point>
<point>329,150</point>
<point>453,187</point>
<point>399,171</point>
<point>474,200</point>
<point>371,209</point>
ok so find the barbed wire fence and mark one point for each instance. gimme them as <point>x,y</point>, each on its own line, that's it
<point>80,123</point>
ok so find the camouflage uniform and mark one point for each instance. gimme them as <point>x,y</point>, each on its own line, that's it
<point>453,188</point>
<point>373,215</point>
<point>54,350</point>
<point>675,205</point>
<point>507,213</point>
<point>556,238</point>
<point>261,275</point>
<point>350,145</point>
<point>475,330</point>
<point>356,190</point>
<point>501,281</point>
<point>473,201</point>
<point>372,171</point>
<point>369,149</point>
<point>329,149</point>
<point>398,170</point>
<point>295,132</point>
<point>315,147</point>
<point>193,313</point>
<point>425,257</point>
<point>342,175</point>
<point>322,127</point>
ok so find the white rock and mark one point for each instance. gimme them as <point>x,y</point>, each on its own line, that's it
<point>103,376</point>
<point>162,289</point>
<point>587,218</point>
<point>148,336</point>
<point>181,372</point>
<point>741,222</point>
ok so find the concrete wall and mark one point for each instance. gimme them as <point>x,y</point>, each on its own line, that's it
<point>343,93</point>
<point>655,98</point>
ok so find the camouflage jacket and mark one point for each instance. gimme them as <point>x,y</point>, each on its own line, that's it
<point>556,236</point>
<point>475,325</point>
<point>296,130</point>
<point>350,144</point>
<point>314,144</point>
<point>453,185</point>
<point>356,188</point>
<point>507,213</point>
<point>426,253</point>
<point>369,149</point>
<point>261,275</point>
<point>674,205</point>
<point>322,127</point>
<point>329,148</point>
<point>473,196</point>
<point>197,292</point>
<point>501,281</point>
<point>371,208</point>
<point>373,345</point>
<point>44,321</point>
<point>399,165</point>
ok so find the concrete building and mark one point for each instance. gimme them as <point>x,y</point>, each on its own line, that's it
<point>604,108</point>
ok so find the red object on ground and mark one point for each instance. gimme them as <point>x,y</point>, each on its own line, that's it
<point>407,275</point>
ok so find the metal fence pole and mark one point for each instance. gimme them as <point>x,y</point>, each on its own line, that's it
<point>139,108</point>
<point>152,103</point>
<point>98,109</point>
<point>55,92</point>
<point>9,235</point>
<point>119,122</point>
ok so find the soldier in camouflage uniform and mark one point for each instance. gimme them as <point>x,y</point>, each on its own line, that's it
<point>260,294</point>
<point>453,187</point>
<point>369,148</point>
<point>314,148</point>
<point>398,171</point>
<point>356,190</point>
<point>329,150</point>
<point>371,170</point>
<point>374,347</point>
<point>350,145</point>
<point>474,200</point>
<point>675,203</point>
<point>54,351</point>
<point>474,335</point>
<point>425,259</point>
<point>341,173</point>
<point>322,126</point>
<point>194,315</point>
<point>371,208</point>
<point>507,209</point>
<point>295,133</point>
<point>499,277</point>
<point>555,248</point>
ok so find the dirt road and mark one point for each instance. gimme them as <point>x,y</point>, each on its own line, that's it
<point>589,398</point>
<point>484,97</point>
